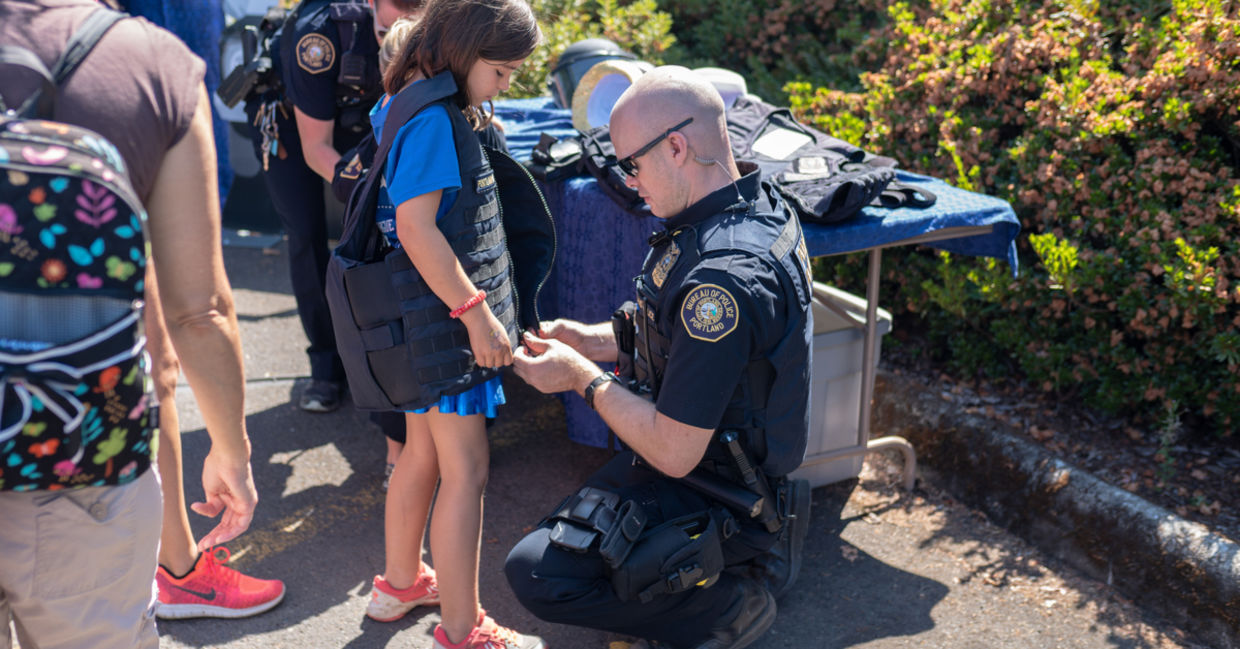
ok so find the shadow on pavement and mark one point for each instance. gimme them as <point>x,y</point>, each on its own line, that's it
<point>319,527</point>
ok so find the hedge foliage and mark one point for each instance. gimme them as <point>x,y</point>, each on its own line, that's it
<point>639,26</point>
<point>1113,129</point>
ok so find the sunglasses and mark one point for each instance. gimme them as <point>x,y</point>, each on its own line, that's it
<point>629,163</point>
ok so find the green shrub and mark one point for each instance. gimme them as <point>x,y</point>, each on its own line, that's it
<point>772,42</point>
<point>1114,131</point>
<point>638,27</point>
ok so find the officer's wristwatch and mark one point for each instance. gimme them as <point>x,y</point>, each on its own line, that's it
<point>598,380</point>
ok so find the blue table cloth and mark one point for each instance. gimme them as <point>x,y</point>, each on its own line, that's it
<point>600,247</point>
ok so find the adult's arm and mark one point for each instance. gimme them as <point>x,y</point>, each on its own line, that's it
<point>316,144</point>
<point>201,318</point>
<point>672,447</point>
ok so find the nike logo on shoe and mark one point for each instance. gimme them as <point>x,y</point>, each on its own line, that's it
<point>210,595</point>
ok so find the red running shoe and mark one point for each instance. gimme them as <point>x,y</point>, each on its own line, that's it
<point>213,590</point>
<point>388,604</point>
<point>489,635</point>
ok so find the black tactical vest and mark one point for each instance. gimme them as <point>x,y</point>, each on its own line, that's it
<point>390,326</point>
<point>826,179</point>
<point>770,406</point>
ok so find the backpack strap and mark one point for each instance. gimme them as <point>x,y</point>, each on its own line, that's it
<point>22,57</point>
<point>80,44</point>
<point>83,41</point>
<point>361,237</point>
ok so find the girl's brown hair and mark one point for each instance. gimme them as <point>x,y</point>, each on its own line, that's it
<point>454,34</point>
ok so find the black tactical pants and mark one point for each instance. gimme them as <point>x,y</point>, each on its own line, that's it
<point>566,587</point>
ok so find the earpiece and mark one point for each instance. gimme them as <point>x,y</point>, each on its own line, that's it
<point>711,161</point>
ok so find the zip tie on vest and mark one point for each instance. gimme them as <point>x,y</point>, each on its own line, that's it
<point>469,304</point>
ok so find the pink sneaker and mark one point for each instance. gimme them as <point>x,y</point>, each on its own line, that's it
<point>213,590</point>
<point>388,604</point>
<point>489,635</point>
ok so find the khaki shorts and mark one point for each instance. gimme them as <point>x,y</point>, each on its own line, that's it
<point>77,568</point>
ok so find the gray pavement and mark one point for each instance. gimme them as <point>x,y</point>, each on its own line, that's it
<point>883,569</point>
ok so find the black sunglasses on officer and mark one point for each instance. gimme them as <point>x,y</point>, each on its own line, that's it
<point>628,164</point>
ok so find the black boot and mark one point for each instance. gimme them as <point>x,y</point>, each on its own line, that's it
<point>749,616</point>
<point>777,569</point>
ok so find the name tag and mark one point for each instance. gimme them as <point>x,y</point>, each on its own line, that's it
<point>485,183</point>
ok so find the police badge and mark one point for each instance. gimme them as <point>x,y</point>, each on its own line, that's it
<point>661,269</point>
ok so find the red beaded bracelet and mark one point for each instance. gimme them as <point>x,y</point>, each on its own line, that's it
<point>469,304</point>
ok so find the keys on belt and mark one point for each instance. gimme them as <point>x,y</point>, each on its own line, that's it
<point>265,121</point>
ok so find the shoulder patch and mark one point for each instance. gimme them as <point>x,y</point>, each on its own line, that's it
<point>353,170</point>
<point>709,313</point>
<point>315,53</point>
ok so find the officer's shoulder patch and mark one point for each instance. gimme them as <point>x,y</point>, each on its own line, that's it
<point>353,170</point>
<point>315,53</point>
<point>709,313</point>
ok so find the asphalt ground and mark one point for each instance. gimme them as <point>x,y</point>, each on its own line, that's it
<point>883,568</point>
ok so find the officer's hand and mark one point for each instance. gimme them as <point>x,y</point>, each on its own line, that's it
<point>550,365</point>
<point>487,337</point>
<point>569,332</point>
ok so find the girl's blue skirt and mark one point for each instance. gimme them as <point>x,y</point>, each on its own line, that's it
<point>482,398</point>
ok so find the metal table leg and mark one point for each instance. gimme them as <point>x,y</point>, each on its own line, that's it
<point>867,378</point>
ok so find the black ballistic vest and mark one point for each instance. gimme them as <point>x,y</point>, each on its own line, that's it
<point>399,347</point>
<point>770,406</point>
<point>825,178</point>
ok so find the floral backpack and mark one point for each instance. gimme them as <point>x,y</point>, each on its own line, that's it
<point>75,402</point>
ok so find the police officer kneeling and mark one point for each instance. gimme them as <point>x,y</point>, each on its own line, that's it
<point>686,539</point>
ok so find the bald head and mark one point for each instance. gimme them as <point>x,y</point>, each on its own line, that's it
<point>665,97</point>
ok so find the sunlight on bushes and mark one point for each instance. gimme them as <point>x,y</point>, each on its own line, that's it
<point>1113,129</point>
<point>638,27</point>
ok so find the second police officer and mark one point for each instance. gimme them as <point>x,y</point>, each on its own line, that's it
<point>325,58</point>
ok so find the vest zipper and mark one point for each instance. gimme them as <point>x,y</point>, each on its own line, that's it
<point>550,222</point>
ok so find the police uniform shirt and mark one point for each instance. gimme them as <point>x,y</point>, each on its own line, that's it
<point>311,76</point>
<point>728,309</point>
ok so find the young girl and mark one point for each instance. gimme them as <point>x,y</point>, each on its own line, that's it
<point>472,48</point>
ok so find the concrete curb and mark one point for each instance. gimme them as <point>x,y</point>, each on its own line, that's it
<point>1167,564</point>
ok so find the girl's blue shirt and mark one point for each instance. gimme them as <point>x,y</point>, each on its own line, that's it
<point>422,159</point>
